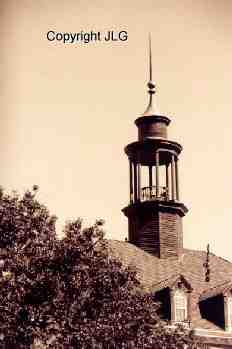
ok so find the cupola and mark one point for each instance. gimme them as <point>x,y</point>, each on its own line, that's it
<point>155,211</point>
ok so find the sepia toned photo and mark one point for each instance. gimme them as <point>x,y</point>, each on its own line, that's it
<point>115,180</point>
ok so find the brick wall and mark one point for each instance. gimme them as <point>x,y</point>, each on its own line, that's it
<point>171,234</point>
<point>159,233</point>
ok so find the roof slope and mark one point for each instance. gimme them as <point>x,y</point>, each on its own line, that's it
<point>152,270</point>
<point>155,274</point>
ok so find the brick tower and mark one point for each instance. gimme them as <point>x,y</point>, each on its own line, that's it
<point>154,211</point>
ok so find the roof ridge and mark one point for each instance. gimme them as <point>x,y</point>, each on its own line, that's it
<point>227,282</point>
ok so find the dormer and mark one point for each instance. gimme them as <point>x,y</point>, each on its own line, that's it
<point>174,295</point>
<point>216,305</point>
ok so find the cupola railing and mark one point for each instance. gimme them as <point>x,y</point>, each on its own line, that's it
<point>154,193</point>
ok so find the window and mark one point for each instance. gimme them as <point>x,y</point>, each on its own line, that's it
<point>180,301</point>
<point>229,309</point>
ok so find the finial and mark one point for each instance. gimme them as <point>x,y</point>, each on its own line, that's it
<point>151,110</point>
<point>150,62</point>
<point>206,265</point>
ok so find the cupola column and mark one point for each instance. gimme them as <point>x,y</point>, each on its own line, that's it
<point>173,176</point>
<point>157,173</point>
<point>139,180</point>
<point>167,181</point>
<point>131,181</point>
<point>150,180</point>
<point>177,179</point>
<point>135,182</point>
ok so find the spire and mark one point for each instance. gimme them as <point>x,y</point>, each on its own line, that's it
<point>151,109</point>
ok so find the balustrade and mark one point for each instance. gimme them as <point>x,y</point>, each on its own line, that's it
<point>150,193</point>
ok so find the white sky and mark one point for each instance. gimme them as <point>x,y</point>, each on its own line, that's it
<point>67,111</point>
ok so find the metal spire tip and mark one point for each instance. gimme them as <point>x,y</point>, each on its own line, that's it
<point>151,110</point>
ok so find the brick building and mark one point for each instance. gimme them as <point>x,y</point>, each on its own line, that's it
<point>178,277</point>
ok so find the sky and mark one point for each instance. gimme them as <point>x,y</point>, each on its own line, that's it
<point>68,110</point>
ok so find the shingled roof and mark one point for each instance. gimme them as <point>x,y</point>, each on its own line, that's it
<point>153,270</point>
<point>155,273</point>
<point>222,288</point>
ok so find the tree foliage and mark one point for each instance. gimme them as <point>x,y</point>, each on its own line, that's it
<point>70,293</point>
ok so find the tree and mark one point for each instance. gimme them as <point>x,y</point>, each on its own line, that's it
<point>27,234</point>
<point>70,293</point>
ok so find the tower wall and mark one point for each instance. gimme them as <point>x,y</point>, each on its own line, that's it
<point>156,228</point>
<point>171,234</point>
